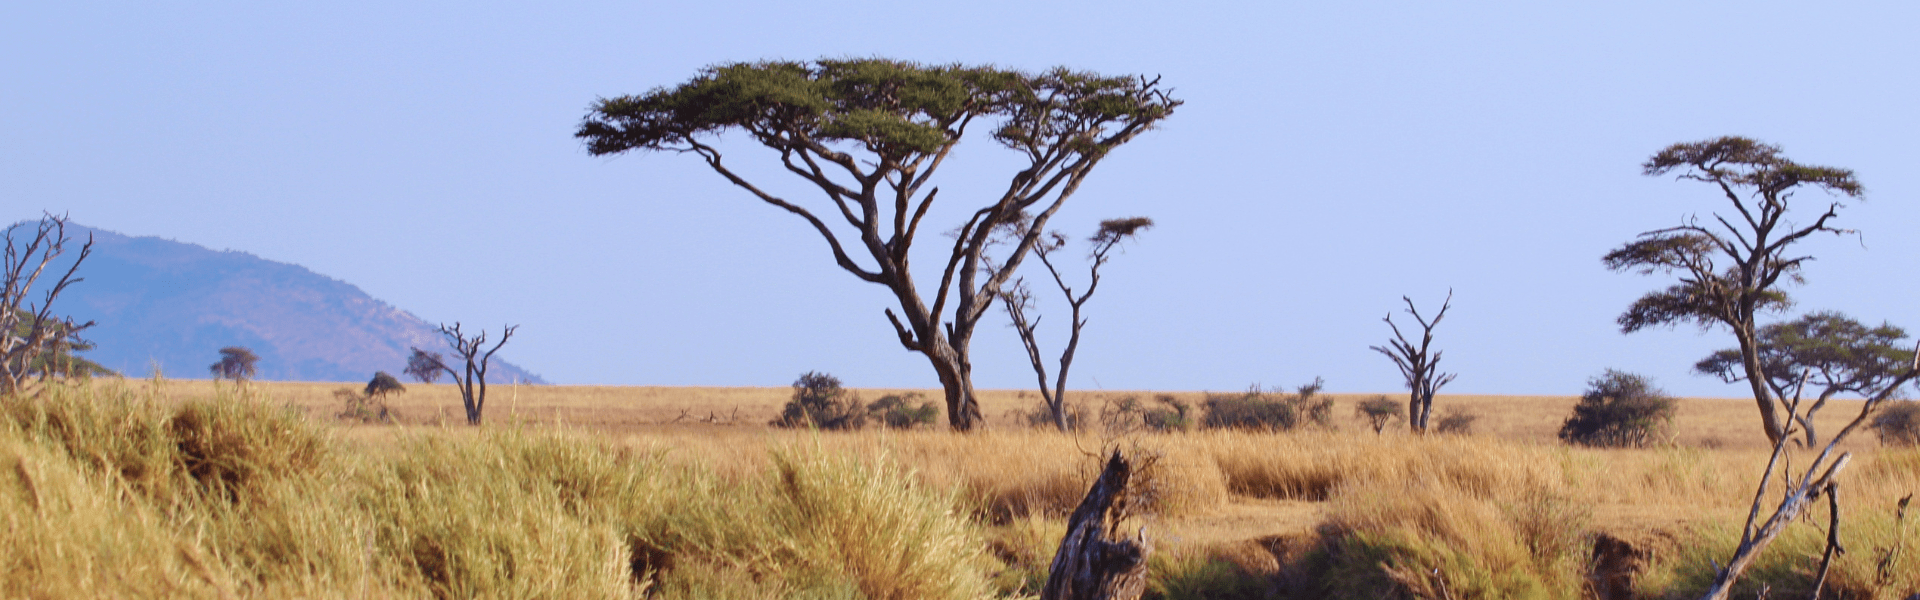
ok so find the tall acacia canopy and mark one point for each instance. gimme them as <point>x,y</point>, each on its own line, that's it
<point>1734,267</point>
<point>870,134</point>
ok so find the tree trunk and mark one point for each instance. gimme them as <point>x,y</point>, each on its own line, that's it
<point>1091,563</point>
<point>963,410</point>
<point>1757,380</point>
<point>1419,406</point>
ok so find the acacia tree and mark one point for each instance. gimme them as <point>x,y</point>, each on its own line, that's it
<point>1825,351</point>
<point>871,134</point>
<point>1419,365</point>
<point>383,384</point>
<point>1018,300</point>
<point>475,358</point>
<point>29,331</point>
<point>426,366</point>
<point>237,363</point>
<point>1730,273</point>
<point>59,356</point>
<point>1379,411</point>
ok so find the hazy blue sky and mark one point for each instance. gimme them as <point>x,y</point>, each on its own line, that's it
<point>1328,160</point>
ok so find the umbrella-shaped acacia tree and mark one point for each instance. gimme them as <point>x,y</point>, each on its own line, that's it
<point>871,134</point>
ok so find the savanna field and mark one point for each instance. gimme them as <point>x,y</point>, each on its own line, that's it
<point>187,489</point>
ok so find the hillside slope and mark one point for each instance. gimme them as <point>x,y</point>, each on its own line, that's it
<point>173,304</point>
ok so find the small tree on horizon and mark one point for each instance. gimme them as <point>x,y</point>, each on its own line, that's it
<point>1419,365</point>
<point>819,402</point>
<point>1379,411</point>
<point>383,384</point>
<point>475,358</point>
<point>237,363</point>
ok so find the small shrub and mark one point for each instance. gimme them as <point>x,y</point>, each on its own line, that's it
<point>1040,417</point>
<point>1898,424</point>
<point>1619,409</point>
<point>1131,414</point>
<point>1251,410</point>
<point>1269,411</point>
<point>895,411</point>
<point>1317,408</point>
<point>1456,420</point>
<point>1172,414</point>
<point>819,402</point>
<point>1379,411</point>
<point>366,408</point>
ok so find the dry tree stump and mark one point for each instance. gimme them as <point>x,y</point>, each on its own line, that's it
<point>1094,562</point>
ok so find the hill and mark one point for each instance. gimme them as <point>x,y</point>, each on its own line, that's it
<point>174,305</point>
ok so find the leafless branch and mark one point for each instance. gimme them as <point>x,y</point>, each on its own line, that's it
<point>29,329</point>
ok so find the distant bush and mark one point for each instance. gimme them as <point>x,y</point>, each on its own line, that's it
<point>1379,411</point>
<point>365,408</point>
<point>1039,417</point>
<point>1131,414</point>
<point>1172,414</point>
<point>1457,421</point>
<point>1619,409</point>
<point>1898,424</point>
<point>819,402</point>
<point>1270,411</point>
<point>897,411</point>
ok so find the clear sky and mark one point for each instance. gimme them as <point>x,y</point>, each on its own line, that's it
<point>1331,157</point>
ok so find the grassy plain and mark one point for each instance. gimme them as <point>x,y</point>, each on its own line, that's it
<point>577,491</point>
<point>620,410</point>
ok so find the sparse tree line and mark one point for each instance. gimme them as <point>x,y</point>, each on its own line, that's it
<point>37,345</point>
<point>239,364</point>
<point>871,133</point>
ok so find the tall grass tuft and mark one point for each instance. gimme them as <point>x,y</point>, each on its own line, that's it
<point>117,494</point>
<point>1429,537</point>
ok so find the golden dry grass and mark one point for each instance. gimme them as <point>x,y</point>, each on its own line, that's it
<point>1504,511</point>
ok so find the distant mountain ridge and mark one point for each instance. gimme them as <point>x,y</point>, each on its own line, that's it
<point>174,305</point>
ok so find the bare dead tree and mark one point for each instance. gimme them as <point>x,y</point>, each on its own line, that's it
<point>28,328</point>
<point>472,379</point>
<point>1418,364</point>
<point>1821,476</point>
<point>1018,301</point>
<point>870,134</point>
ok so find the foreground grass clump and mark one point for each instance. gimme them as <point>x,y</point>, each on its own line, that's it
<point>1433,538</point>
<point>118,495</point>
